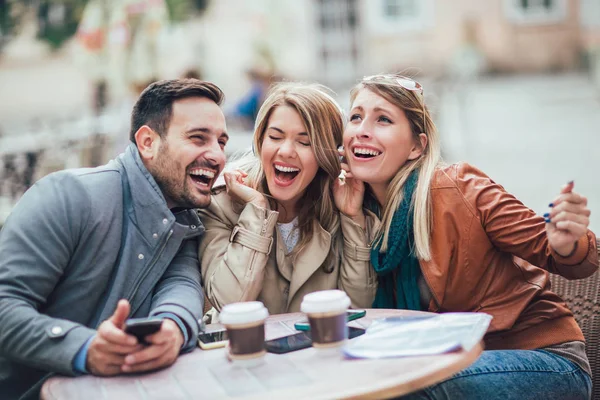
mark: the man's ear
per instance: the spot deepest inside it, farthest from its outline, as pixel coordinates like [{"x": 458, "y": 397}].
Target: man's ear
[
  {"x": 148, "y": 142},
  {"x": 419, "y": 147}
]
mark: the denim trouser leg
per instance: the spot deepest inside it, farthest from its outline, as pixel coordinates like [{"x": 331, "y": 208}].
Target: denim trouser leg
[{"x": 513, "y": 374}]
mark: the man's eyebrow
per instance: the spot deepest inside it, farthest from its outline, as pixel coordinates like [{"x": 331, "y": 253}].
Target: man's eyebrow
[
  {"x": 197, "y": 129},
  {"x": 205, "y": 130}
]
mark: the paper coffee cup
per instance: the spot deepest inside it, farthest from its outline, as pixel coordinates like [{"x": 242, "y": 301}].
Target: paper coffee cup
[
  {"x": 326, "y": 311},
  {"x": 245, "y": 324}
]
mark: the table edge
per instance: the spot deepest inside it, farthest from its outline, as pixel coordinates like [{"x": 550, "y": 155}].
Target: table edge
[{"x": 395, "y": 390}]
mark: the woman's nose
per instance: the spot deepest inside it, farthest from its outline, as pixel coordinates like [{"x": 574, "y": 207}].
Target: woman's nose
[
  {"x": 364, "y": 131},
  {"x": 287, "y": 148}
]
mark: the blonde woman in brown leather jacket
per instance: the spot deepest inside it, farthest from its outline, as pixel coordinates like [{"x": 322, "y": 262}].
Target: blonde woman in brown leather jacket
[
  {"x": 273, "y": 231},
  {"x": 451, "y": 239}
]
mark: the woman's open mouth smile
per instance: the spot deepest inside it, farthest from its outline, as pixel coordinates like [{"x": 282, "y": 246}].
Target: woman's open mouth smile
[
  {"x": 284, "y": 174},
  {"x": 365, "y": 153}
]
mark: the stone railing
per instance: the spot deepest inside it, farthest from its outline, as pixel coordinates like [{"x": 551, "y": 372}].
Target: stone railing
[
  {"x": 29, "y": 154},
  {"x": 26, "y": 155}
]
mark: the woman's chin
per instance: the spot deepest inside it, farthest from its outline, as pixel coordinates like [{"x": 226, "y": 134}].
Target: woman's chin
[
  {"x": 363, "y": 176},
  {"x": 282, "y": 195},
  {"x": 369, "y": 181}
]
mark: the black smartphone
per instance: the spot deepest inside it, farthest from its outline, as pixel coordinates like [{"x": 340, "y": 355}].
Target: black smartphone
[
  {"x": 300, "y": 341},
  {"x": 212, "y": 340},
  {"x": 350, "y": 314},
  {"x": 142, "y": 327}
]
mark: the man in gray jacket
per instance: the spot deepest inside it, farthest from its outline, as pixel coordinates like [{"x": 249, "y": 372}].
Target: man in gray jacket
[{"x": 85, "y": 249}]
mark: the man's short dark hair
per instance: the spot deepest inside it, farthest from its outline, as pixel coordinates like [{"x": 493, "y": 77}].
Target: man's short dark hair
[{"x": 155, "y": 105}]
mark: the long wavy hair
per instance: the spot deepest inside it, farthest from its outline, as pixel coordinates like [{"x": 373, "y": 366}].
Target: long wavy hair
[
  {"x": 324, "y": 122},
  {"x": 413, "y": 104}
]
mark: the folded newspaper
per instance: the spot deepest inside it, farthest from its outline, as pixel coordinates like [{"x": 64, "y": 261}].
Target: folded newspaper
[{"x": 418, "y": 335}]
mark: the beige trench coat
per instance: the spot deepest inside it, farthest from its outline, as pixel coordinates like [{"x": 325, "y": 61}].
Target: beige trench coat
[{"x": 242, "y": 258}]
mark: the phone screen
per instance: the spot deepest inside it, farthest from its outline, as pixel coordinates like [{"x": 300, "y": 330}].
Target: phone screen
[
  {"x": 142, "y": 327},
  {"x": 300, "y": 341},
  {"x": 213, "y": 337},
  {"x": 303, "y": 325}
]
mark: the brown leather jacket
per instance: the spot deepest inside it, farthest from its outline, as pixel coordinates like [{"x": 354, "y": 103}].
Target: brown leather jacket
[{"x": 490, "y": 254}]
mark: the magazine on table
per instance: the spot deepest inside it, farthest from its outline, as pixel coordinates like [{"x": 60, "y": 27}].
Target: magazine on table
[{"x": 417, "y": 335}]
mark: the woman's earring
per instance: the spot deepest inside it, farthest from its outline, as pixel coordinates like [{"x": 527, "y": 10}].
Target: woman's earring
[{"x": 341, "y": 150}]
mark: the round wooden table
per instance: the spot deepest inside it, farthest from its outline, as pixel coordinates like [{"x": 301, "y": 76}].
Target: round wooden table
[{"x": 206, "y": 374}]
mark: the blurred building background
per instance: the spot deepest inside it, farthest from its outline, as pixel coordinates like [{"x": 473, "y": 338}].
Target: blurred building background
[{"x": 514, "y": 84}]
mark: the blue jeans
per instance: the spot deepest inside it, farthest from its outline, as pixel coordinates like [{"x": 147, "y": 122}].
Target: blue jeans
[{"x": 513, "y": 374}]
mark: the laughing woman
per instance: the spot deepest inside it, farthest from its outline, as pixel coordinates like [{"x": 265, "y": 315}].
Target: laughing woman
[
  {"x": 451, "y": 239},
  {"x": 273, "y": 232}
]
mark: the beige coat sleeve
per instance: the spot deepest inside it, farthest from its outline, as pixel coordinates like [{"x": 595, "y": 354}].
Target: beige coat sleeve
[
  {"x": 234, "y": 250},
  {"x": 357, "y": 277}
]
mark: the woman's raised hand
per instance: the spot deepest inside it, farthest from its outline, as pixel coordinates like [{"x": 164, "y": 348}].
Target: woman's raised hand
[
  {"x": 240, "y": 192},
  {"x": 348, "y": 194},
  {"x": 567, "y": 221}
]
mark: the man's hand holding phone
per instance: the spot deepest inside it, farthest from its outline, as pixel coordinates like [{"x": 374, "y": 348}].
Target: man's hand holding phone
[
  {"x": 113, "y": 351},
  {"x": 107, "y": 351},
  {"x": 162, "y": 350}
]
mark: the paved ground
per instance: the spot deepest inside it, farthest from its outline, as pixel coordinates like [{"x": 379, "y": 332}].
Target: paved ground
[{"x": 530, "y": 133}]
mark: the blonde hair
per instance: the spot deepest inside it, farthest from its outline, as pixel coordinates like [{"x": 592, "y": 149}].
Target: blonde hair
[
  {"x": 324, "y": 122},
  {"x": 413, "y": 104}
]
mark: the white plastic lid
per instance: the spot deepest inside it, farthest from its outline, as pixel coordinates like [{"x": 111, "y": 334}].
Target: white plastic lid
[
  {"x": 325, "y": 301},
  {"x": 243, "y": 313}
]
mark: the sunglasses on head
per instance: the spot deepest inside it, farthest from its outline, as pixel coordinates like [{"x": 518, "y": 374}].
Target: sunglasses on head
[
  {"x": 406, "y": 83},
  {"x": 403, "y": 81}
]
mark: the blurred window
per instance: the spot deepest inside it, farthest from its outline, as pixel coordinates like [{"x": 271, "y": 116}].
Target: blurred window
[
  {"x": 400, "y": 9},
  {"x": 536, "y": 5},
  {"x": 534, "y": 12},
  {"x": 399, "y": 16},
  {"x": 338, "y": 53}
]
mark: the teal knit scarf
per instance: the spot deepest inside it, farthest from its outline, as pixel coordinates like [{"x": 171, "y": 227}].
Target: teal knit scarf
[{"x": 399, "y": 257}]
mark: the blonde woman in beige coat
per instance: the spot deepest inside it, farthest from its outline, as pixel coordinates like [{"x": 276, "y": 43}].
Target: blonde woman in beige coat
[{"x": 273, "y": 230}]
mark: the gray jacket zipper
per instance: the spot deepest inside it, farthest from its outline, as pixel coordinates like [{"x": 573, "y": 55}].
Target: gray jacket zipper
[{"x": 149, "y": 268}]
